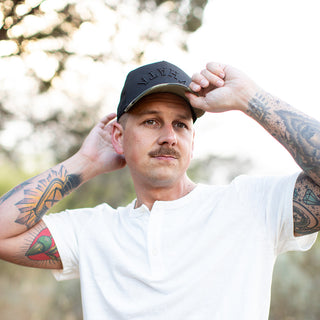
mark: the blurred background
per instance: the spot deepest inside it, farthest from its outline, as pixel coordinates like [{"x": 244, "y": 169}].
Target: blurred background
[{"x": 62, "y": 67}]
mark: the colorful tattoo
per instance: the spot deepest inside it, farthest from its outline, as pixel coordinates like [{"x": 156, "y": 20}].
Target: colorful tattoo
[
  {"x": 13, "y": 191},
  {"x": 48, "y": 192},
  {"x": 43, "y": 247}
]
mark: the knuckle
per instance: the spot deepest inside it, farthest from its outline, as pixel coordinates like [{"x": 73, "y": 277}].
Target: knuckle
[{"x": 210, "y": 64}]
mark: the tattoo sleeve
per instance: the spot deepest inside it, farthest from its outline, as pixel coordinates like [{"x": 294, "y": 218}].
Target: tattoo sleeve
[
  {"x": 297, "y": 132},
  {"x": 13, "y": 191},
  {"x": 300, "y": 135},
  {"x": 39, "y": 199},
  {"x": 306, "y": 206}
]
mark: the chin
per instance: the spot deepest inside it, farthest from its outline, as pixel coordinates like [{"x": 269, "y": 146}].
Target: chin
[{"x": 163, "y": 180}]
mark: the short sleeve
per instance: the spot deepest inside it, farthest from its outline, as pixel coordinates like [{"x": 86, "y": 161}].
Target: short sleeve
[
  {"x": 66, "y": 227},
  {"x": 270, "y": 199}
]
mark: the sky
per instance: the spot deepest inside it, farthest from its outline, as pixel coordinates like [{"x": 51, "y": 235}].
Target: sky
[{"x": 276, "y": 43}]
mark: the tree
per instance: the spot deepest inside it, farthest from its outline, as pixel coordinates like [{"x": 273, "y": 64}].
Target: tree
[
  {"x": 54, "y": 56},
  {"x": 53, "y": 59},
  {"x": 56, "y": 59}
]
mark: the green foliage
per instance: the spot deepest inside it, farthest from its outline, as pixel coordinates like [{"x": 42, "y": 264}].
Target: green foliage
[
  {"x": 34, "y": 294},
  {"x": 27, "y": 293},
  {"x": 57, "y": 24},
  {"x": 56, "y": 127},
  {"x": 74, "y": 40},
  {"x": 296, "y": 279},
  {"x": 189, "y": 16},
  {"x": 10, "y": 176},
  {"x": 217, "y": 169}
]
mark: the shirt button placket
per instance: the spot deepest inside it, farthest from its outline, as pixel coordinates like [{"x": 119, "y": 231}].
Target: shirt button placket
[{"x": 155, "y": 243}]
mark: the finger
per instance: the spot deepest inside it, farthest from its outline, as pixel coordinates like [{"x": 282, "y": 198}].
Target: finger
[
  {"x": 213, "y": 79},
  {"x": 194, "y": 87},
  {"x": 198, "y": 82},
  {"x": 216, "y": 68},
  {"x": 106, "y": 119}
]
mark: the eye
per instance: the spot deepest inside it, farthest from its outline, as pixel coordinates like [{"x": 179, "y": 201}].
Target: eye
[
  {"x": 150, "y": 122},
  {"x": 180, "y": 125}
]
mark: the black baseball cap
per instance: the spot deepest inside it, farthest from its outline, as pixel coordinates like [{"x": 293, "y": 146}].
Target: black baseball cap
[{"x": 154, "y": 78}]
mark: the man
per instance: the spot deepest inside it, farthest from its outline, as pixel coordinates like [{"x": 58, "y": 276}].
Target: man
[{"x": 180, "y": 250}]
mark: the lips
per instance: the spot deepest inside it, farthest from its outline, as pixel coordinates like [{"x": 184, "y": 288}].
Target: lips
[{"x": 164, "y": 152}]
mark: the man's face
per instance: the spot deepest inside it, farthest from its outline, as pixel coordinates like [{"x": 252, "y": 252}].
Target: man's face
[{"x": 158, "y": 140}]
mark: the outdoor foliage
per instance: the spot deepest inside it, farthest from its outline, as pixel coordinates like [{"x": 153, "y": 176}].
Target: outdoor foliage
[
  {"x": 34, "y": 294},
  {"x": 60, "y": 58},
  {"x": 295, "y": 294},
  {"x": 59, "y": 62}
]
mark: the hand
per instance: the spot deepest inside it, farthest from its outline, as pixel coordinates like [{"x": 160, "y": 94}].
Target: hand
[
  {"x": 221, "y": 88},
  {"x": 98, "y": 148}
]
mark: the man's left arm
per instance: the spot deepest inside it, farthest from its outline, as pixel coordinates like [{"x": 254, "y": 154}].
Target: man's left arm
[
  {"x": 300, "y": 135},
  {"x": 222, "y": 88}
]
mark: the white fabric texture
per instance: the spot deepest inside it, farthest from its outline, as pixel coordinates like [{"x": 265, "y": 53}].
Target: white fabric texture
[{"x": 208, "y": 255}]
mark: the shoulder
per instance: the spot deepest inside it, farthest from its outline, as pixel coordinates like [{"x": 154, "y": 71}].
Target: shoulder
[
  {"x": 81, "y": 217},
  {"x": 264, "y": 181}
]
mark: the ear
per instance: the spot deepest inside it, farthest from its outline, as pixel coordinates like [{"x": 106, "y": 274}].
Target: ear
[{"x": 117, "y": 137}]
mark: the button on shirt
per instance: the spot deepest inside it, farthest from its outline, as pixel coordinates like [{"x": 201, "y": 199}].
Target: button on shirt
[{"x": 208, "y": 255}]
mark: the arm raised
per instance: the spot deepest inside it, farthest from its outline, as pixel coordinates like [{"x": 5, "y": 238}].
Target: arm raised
[
  {"x": 21, "y": 209},
  {"x": 300, "y": 135},
  {"x": 222, "y": 88}
]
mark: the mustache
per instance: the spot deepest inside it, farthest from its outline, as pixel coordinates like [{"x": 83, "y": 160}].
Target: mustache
[{"x": 164, "y": 151}]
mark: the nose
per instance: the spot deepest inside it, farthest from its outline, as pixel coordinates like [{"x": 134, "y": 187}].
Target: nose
[{"x": 167, "y": 136}]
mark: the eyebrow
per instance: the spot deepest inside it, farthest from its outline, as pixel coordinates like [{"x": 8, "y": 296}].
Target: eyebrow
[
  {"x": 147, "y": 111},
  {"x": 155, "y": 112}
]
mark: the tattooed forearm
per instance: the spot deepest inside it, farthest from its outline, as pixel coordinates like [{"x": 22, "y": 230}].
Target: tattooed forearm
[
  {"x": 300, "y": 135},
  {"x": 43, "y": 247},
  {"x": 304, "y": 221},
  {"x": 40, "y": 199},
  {"x": 305, "y": 133},
  {"x": 297, "y": 132},
  {"x": 13, "y": 191},
  {"x": 306, "y": 206},
  {"x": 259, "y": 109}
]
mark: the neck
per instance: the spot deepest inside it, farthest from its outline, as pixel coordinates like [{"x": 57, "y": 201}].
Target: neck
[{"x": 147, "y": 195}]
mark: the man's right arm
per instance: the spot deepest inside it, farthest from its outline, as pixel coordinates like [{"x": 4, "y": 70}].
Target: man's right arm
[{"x": 24, "y": 237}]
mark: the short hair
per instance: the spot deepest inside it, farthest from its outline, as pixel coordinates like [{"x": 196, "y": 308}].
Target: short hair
[{"x": 123, "y": 119}]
